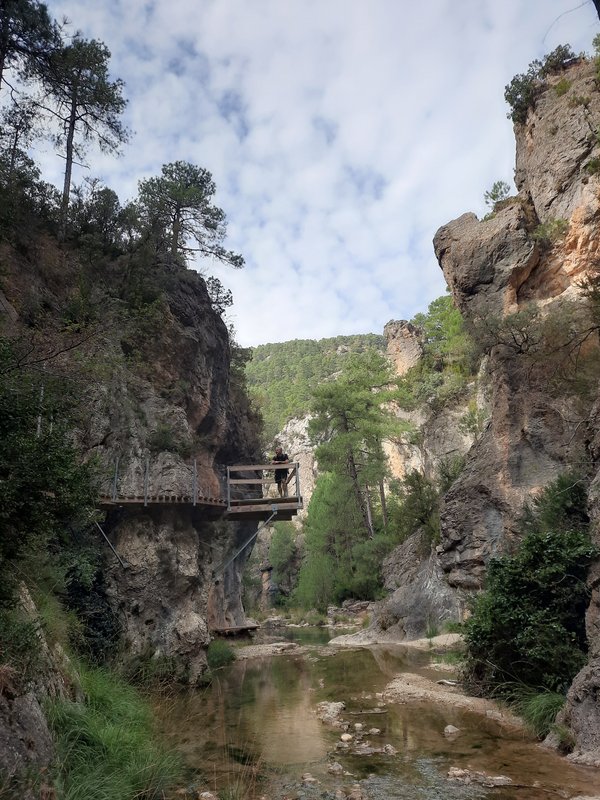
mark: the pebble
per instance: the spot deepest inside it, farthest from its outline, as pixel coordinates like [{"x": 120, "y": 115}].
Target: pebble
[
  {"x": 335, "y": 768},
  {"x": 346, "y": 737},
  {"x": 358, "y": 726},
  {"x": 374, "y": 731},
  {"x": 450, "y": 730}
]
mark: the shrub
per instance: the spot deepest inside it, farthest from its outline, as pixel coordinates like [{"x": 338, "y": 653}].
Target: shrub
[
  {"x": 521, "y": 92},
  {"x": 219, "y": 654},
  {"x": 548, "y": 233},
  {"x": 593, "y": 166},
  {"x": 499, "y": 192},
  {"x": 562, "y": 87},
  {"x": 529, "y": 624}
]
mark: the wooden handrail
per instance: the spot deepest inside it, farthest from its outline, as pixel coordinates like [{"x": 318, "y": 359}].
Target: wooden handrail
[{"x": 249, "y": 467}]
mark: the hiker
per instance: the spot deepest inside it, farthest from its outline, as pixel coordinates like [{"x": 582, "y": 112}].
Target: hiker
[{"x": 281, "y": 474}]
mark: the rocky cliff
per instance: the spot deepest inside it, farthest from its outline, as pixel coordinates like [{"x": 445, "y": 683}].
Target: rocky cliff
[
  {"x": 517, "y": 279},
  {"x": 159, "y": 400}
]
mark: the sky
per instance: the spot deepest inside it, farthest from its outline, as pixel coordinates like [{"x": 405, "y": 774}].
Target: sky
[{"x": 341, "y": 135}]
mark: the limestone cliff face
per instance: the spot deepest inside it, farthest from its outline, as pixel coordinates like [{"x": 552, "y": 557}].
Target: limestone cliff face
[
  {"x": 174, "y": 589},
  {"x": 159, "y": 395},
  {"x": 495, "y": 268},
  {"x": 538, "y": 427}
]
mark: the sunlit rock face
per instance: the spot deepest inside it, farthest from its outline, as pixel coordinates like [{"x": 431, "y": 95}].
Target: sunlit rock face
[
  {"x": 495, "y": 268},
  {"x": 403, "y": 345}
]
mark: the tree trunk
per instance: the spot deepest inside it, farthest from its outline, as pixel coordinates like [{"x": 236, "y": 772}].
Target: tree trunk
[
  {"x": 64, "y": 206},
  {"x": 382, "y": 497},
  {"x": 369, "y": 510},
  {"x": 176, "y": 233},
  {"x": 353, "y": 472}
]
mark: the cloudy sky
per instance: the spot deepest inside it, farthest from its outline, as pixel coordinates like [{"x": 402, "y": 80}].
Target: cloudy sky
[{"x": 341, "y": 134}]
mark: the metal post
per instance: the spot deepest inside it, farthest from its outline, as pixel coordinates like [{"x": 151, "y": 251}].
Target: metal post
[
  {"x": 146, "y": 470},
  {"x": 298, "y": 480},
  {"x": 115, "y": 479},
  {"x": 195, "y": 484},
  {"x": 228, "y": 490}
]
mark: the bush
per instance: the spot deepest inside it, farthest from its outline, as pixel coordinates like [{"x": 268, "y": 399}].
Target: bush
[
  {"x": 521, "y": 92},
  {"x": 219, "y": 654},
  {"x": 548, "y": 233},
  {"x": 562, "y": 87},
  {"x": 528, "y": 627}
]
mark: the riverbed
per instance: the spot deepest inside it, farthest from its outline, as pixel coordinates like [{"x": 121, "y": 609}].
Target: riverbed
[{"x": 254, "y": 733}]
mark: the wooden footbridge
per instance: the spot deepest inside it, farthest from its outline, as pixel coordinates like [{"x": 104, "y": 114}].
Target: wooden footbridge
[{"x": 247, "y": 493}]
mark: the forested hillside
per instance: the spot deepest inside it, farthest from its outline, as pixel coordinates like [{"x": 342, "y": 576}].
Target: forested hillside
[{"x": 282, "y": 376}]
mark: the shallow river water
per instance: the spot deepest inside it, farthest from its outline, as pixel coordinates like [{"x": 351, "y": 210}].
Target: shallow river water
[{"x": 255, "y": 729}]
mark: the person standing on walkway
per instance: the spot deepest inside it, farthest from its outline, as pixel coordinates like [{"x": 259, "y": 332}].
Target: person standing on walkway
[{"x": 281, "y": 474}]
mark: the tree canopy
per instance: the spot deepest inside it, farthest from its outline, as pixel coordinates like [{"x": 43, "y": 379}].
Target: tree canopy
[{"x": 177, "y": 206}]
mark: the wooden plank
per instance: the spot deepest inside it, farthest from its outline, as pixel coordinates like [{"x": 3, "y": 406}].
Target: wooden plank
[
  {"x": 263, "y": 501},
  {"x": 248, "y": 467},
  {"x": 251, "y": 480}
]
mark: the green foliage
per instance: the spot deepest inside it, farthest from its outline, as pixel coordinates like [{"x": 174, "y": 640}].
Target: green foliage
[
  {"x": 281, "y": 377},
  {"x": 499, "y": 192},
  {"x": 537, "y": 708},
  {"x": 282, "y": 555},
  {"x": 580, "y": 100},
  {"x": 44, "y": 490},
  {"x": 548, "y": 233},
  {"x": 19, "y": 648},
  {"x": 350, "y": 423},
  {"x": 106, "y": 746},
  {"x": 473, "y": 420},
  {"x": 219, "y": 654},
  {"x": 340, "y": 562},
  {"x": 562, "y": 87},
  {"x": 448, "y": 363},
  {"x": 177, "y": 207},
  {"x": 593, "y": 166},
  {"x": 87, "y": 104},
  {"x": 521, "y": 92},
  {"x": 529, "y": 625}
]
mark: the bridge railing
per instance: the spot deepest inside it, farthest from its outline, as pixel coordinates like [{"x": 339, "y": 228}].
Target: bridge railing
[
  {"x": 258, "y": 479},
  {"x": 177, "y": 482}
]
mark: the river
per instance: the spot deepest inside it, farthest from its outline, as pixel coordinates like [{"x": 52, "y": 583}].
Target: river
[{"x": 254, "y": 733}]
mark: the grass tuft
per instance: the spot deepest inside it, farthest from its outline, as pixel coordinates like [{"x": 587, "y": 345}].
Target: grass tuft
[
  {"x": 537, "y": 707},
  {"x": 106, "y": 745},
  {"x": 219, "y": 654}
]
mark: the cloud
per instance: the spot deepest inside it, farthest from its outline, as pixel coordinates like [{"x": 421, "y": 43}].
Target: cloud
[{"x": 341, "y": 134}]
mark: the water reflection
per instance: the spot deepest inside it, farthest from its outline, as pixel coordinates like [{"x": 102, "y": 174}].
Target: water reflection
[{"x": 258, "y": 718}]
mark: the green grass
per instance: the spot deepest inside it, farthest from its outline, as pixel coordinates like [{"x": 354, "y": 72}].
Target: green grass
[
  {"x": 452, "y": 657},
  {"x": 538, "y": 707},
  {"x": 106, "y": 746}
]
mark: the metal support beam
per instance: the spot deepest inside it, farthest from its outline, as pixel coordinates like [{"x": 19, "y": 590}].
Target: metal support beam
[
  {"x": 224, "y": 566},
  {"x": 121, "y": 562}
]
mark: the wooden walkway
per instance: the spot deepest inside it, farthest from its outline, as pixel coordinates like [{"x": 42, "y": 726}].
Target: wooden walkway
[{"x": 230, "y": 508}]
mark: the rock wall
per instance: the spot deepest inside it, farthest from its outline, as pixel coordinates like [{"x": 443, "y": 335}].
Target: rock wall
[
  {"x": 497, "y": 267},
  {"x": 157, "y": 395}
]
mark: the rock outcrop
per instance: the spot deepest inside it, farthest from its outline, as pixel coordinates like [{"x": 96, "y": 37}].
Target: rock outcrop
[
  {"x": 495, "y": 268},
  {"x": 163, "y": 415},
  {"x": 526, "y": 263}
]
